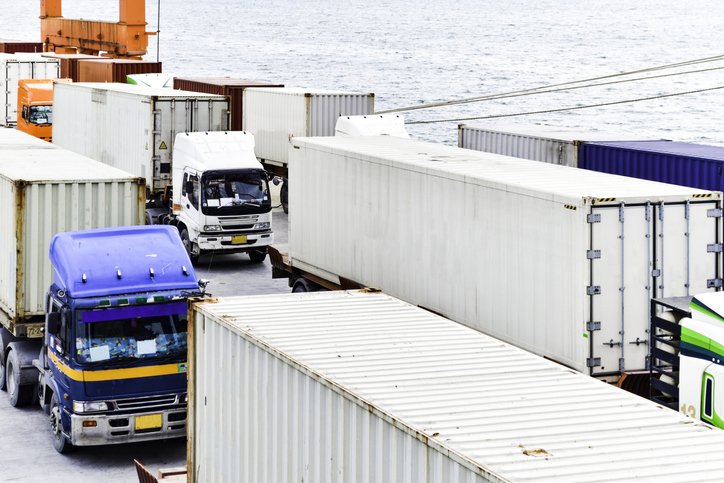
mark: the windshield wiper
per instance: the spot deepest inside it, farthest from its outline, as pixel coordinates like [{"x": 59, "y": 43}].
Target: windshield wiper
[
  {"x": 157, "y": 359},
  {"x": 240, "y": 202}
]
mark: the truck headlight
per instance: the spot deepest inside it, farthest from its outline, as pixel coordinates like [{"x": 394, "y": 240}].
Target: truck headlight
[
  {"x": 89, "y": 407},
  {"x": 212, "y": 228},
  {"x": 262, "y": 226}
]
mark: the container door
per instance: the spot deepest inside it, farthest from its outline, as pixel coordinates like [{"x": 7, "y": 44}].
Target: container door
[
  {"x": 687, "y": 249},
  {"x": 620, "y": 288}
]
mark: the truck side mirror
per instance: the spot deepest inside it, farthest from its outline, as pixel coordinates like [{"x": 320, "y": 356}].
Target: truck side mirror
[
  {"x": 275, "y": 180},
  {"x": 52, "y": 322},
  {"x": 189, "y": 187}
]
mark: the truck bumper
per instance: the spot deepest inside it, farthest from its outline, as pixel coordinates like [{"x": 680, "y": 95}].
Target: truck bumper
[
  {"x": 123, "y": 428},
  {"x": 226, "y": 243}
]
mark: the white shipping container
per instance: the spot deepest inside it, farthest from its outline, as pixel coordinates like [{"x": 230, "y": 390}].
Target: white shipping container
[
  {"x": 14, "y": 67},
  {"x": 275, "y": 115},
  {"x": 361, "y": 387},
  {"x": 558, "y": 261},
  {"x": 46, "y": 190},
  {"x": 548, "y": 144},
  {"x": 131, "y": 127}
]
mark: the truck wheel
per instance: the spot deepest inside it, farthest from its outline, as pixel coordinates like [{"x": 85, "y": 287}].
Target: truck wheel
[
  {"x": 60, "y": 442},
  {"x": 257, "y": 256},
  {"x": 189, "y": 246},
  {"x": 300, "y": 287},
  {"x": 3, "y": 385},
  {"x": 284, "y": 196},
  {"x": 19, "y": 395}
]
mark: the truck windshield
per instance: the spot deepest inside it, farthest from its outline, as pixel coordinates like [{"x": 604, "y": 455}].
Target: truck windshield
[
  {"x": 227, "y": 192},
  {"x": 41, "y": 115},
  {"x": 133, "y": 332}
]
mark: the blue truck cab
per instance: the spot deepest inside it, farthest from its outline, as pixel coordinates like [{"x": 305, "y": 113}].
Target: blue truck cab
[{"x": 112, "y": 368}]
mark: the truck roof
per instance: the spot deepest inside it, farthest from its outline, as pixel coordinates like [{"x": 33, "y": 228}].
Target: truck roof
[
  {"x": 217, "y": 150},
  {"x": 120, "y": 260}
]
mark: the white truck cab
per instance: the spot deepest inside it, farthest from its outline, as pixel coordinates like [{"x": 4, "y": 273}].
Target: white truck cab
[{"x": 221, "y": 201}]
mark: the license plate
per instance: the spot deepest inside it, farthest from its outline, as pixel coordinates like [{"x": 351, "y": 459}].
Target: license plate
[
  {"x": 238, "y": 240},
  {"x": 149, "y": 421},
  {"x": 34, "y": 332}
]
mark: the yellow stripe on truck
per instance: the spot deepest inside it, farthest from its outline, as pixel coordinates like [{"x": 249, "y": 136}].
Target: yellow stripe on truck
[{"x": 115, "y": 374}]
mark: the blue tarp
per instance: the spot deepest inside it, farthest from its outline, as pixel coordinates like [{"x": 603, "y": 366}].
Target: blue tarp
[{"x": 133, "y": 251}]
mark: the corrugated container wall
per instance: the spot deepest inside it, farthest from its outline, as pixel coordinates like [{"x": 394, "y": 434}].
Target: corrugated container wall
[
  {"x": 532, "y": 253},
  {"x": 114, "y": 70},
  {"x": 686, "y": 164},
  {"x": 46, "y": 190},
  {"x": 548, "y": 144},
  {"x": 224, "y": 86},
  {"x": 69, "y": 63},
  {"x": 130, "y": 127},
  {"x": 13, "y": 47},
  {"x": 14, "y": 67},
  {"x": 360, "y": 387},
  {"x": 274, "y": 116}
]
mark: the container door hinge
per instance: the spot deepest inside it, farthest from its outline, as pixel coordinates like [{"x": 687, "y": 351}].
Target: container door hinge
[
  {"x": 591, "y": 254},
  {"x": 593, "y": 290},
  {"x": 656, "y": 272},
  {"x": 593, "y": 362},
  {"x": 714, "y": 213},
  {"x": 594, "y": 218},
  {"x": 714, "y": 283},
  {"x": 591, "y": 326},
  {"x": 714, "y": 248}
]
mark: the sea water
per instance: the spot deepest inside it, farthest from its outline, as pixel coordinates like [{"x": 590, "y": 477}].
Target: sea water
[{"x": 415, "y": 52}]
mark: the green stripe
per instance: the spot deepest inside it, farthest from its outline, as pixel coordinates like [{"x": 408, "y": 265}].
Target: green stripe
[{"x": 699, "y": 307}]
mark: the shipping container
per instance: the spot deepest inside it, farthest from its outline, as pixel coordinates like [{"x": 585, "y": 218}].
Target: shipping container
[
  {"x": 46, "y": 190},
  {"x": 274, "y": 116},
  {"x": 536, "y": 142},
  {"x": 18, "y": 46},
  {"x": 223, "y": 86},
  {"x": 362, "y": 387},
  {"x": 559, "y": 261},
  {"x": 687, "y": 164},
  {"x": 114, "y": 70},
  {"x": 14, "y": 67},
  {"x": 69, "y": 63},
  {"x": 131, "y": 127}
]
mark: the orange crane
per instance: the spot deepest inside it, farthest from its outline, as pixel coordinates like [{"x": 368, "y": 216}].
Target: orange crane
[{"x": 126, "y": 39}]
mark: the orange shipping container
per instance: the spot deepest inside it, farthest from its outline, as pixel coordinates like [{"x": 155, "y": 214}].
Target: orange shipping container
[
  {"x": 69, "y": 63},
  {"x": 114, "y": 70}
]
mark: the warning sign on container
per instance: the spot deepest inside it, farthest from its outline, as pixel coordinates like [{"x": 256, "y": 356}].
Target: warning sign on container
[{"x": 163, "y": 145}]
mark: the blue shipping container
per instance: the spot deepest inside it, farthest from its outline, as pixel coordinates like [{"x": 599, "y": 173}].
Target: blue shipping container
[{"x": 685, "y": 164}]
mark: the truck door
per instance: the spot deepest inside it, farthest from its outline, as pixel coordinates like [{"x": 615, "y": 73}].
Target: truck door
[
  {"x": 190, "y": 199},
  {"x": 639, "y": 252}
]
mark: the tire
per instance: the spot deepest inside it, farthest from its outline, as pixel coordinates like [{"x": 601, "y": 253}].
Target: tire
[
  {"x": 3, "y": 379},
  {"x": 188, "y": 245},
  {"x": 300, "y": 287},
  {"x": 19, "y": 395},
  {"x": 284, "y": 196},
  {"x": 60, "y": 442},
  {"x": 257, "y": 256}
]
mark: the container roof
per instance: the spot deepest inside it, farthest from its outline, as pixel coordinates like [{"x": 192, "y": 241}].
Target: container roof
[
  {"x": 25, "y": 157},
  {"x": 227, "y": 81},
  {"x": 134, "y": 251},
  {"x": 488, "y": 404},
  {"x": 534, "y": 178},
  {"x": 304, "y": 90},
  {"x": 139, "y": 90},
  {"x": 557, "y": 133},
  {"x": 688, "y": 150}
]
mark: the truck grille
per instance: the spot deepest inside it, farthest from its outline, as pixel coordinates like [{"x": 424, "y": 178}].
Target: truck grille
[
  {"x": 151, "y": 402},
  {"x": 226, "y": 221}
]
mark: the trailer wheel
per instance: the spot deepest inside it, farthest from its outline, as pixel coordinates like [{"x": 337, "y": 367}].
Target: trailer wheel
[
  {"x": 3, "y": 379},
  {"x": 189, "y": 246},
  {"x": 60, "y": 442},
  {"x": 284, "y": 196},
  {"x": 19, "y": 395}
]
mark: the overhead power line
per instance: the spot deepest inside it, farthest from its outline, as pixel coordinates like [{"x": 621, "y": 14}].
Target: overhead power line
[
  {"x": 566, "y": 108},
  {"x": 561, "y": 86}
]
